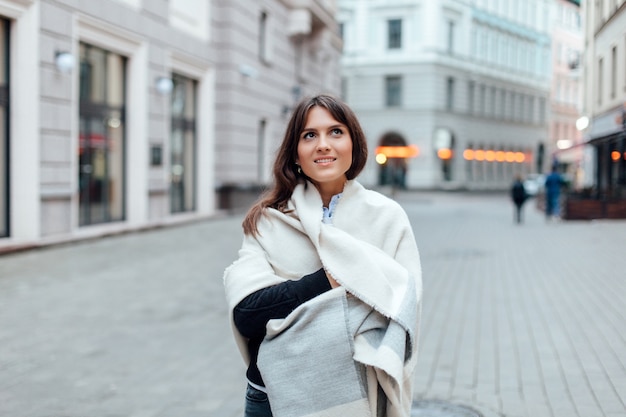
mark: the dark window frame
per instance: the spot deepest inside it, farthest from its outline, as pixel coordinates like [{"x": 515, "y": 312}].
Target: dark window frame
[
  {"x": 187, "y": 124},
  {"x": 449, "y": 94},
  {"x": 394, "y": 34},
  {"x": 393, "y": 91},
  {"x": 5, "y": 140}
]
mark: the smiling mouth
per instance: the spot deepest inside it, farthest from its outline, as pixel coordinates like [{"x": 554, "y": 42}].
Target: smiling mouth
[{"x": 324, "y": 160}]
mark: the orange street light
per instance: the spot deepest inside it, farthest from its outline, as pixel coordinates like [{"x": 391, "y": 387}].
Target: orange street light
[
  {"x": 410, "y": 151},
  {"x": 444, "y": 153},
  {"x": 468, "y": 154}
]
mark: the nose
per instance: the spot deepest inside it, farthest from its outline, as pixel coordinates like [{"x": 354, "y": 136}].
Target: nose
[{"x": 322, "y": 144}]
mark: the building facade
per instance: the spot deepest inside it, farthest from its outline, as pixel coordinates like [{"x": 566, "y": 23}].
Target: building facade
[
  {"x": 127, "y": 114},
  {"x": 605, "y": 96},
  {"x": 565, "y": 144},
  {"x": 271, "y": 54},
  {"x": 465, "y": 82}
]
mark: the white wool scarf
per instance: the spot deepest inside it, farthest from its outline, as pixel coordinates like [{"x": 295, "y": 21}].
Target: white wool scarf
[{"x": 336, "y": 353}]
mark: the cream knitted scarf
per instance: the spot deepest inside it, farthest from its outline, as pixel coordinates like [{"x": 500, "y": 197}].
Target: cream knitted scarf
[{"x": 332, "y": 355}]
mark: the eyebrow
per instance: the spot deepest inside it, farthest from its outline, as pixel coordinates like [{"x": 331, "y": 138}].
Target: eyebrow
[{"x": 312, "y": 129}]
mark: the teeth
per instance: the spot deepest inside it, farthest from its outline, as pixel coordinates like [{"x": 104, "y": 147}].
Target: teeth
[{"x": 325, "y": 160}]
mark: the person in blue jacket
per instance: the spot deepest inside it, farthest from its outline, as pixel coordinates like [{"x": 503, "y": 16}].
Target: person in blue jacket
[{"x": 553, "y": 185}]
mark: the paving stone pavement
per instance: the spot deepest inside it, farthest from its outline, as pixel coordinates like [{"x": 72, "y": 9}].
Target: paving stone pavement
[{"x": 518, "y": 320}]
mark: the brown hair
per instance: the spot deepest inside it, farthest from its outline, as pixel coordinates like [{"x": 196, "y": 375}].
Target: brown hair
[{"x": 285, "y": 171}]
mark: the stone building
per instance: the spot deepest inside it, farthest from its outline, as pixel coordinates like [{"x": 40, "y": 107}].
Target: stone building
[
  {"x": 118, "y": 115},
  {"x": 605, "y": 94},
  {"x": 466, "y": 82},
  {"x": 262, "y": 73},
  {"x": 604, "y": 113},
  {"x": 565, "y": 145}
]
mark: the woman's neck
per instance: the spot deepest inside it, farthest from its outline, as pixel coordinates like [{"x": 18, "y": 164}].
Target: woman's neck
[{"x": 327, "y": 193}]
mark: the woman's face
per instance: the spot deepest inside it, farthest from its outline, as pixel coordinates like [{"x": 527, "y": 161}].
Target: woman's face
[{"x": 325, "y": 151}]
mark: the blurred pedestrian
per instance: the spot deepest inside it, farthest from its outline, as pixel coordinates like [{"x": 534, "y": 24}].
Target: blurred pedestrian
[
  {"x": 519, "y": 197},
  {"x": 553, "y": 185},
  {"x": 325, "y": 295}
]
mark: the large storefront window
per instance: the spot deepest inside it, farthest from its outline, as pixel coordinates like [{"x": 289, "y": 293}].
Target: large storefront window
[
  {"x": 183, "y": 145},
  {"x": 101, "y": 142},
  {"x": 4, "y": 128}
]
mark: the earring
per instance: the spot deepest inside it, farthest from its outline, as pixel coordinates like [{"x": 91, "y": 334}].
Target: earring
[{"x": 299, "y": 169}]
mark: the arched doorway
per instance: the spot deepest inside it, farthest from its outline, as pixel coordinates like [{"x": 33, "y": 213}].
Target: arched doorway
[{"x": 393, "y": 170}]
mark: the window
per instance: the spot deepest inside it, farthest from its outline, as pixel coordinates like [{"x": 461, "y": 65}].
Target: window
[
  {"x": 482, "y": 100},
  {"x": 4, "y": 128},
  {"x": 474, "y": 42},
  {"x": 513, "y": 107},
  {"x": 469, "y": 161},
  {"x": 393, "y": 88},
  {"x": 450, "y": 94},
  {"x": 450, "y": 37},
  {"x": 102, "y": 116},
  {"x": 263, "y": 37},
  {"x": 394, "y": 33},
  {"x": 600, "y": 77},
  {"x": 183, "y": 145},
  {"x": 542, "y": 110},
  {"x": 471, "y": 88},
  {"x": 613, "y": 71},
  {"x": 526, "y": 105}
]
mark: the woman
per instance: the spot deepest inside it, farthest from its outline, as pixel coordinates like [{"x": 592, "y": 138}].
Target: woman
[{"x": 325, "y": 295}]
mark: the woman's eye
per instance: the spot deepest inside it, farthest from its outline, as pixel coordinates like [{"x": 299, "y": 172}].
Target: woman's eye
[
  {"x": 308, "y": 135},
  {"x": 337, "y": 132}
]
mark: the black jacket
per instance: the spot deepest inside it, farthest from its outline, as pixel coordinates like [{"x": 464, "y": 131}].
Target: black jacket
[
  {"x": 518, "y": 193},
  {"x": 275, "y": 302}
]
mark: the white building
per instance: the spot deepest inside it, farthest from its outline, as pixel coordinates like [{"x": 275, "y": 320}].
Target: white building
[
  {"x": 467, "y": 82},
  {"x": 565, "y": 143},
  {"x": 605, "y": 96},
  {"x": 117, "y": 115}
]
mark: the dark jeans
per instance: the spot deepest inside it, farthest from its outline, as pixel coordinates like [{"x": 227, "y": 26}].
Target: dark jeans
[{"x": 257, "y": 404}]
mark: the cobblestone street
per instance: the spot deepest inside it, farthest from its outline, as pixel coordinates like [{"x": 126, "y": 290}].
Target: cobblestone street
[{"x": 518, "y": 320}]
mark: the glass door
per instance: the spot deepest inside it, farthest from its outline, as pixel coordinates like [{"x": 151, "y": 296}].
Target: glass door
[
  {"x": 183, "y": 145},
  {"x": 101, "y": 141}
]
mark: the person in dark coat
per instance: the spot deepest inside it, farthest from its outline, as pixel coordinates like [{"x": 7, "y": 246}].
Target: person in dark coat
[
  {"x": 553, "y": 185},
  {"x": 519, "y": 196}
]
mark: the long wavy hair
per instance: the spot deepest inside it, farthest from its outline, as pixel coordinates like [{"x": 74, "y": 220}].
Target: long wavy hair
[{"x": 285, "y": 171}]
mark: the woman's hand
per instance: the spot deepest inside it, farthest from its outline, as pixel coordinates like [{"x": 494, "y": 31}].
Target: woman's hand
[{"x": 333, "y": 283}]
